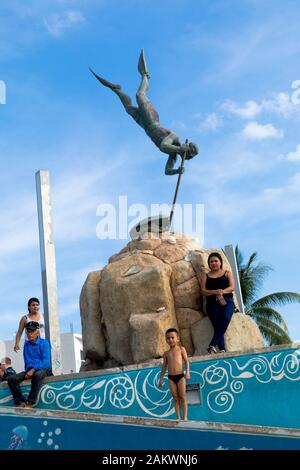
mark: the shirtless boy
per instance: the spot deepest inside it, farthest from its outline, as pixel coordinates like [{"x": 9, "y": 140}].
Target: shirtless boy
[{"x": 173, "y": 361}]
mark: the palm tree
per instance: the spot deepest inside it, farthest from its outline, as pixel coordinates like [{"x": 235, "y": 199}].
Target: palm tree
[{"x": 269, "y": 321}]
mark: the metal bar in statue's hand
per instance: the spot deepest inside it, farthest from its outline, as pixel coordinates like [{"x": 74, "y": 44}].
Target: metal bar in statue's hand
[{"x": 178, "y": 181}]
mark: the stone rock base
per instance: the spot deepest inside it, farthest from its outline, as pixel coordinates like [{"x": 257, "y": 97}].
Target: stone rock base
[{"x": 242, "y": 334}]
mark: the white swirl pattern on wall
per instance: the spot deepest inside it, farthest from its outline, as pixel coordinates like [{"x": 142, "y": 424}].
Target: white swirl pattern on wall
[
  {"x": 220, "y": 382},
  {"x": 280, "y": 366}
]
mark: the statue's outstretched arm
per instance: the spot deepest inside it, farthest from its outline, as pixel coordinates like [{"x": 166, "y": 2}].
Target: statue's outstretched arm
[
  {"x": 169, "y": 168},
  {"x": 170, "y": 144}
]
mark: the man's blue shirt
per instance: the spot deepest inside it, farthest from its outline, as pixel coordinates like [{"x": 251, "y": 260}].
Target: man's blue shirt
[{"x": 37, "y": 354}]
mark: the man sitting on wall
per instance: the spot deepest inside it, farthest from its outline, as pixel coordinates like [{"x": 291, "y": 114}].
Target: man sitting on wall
[{"x": 37, "y": 366}]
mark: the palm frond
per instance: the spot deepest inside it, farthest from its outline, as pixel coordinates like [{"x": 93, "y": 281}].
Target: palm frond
[
  {"x": 275, "y": 327},
  {"x": 271, "y": 323},
  {"x": 273, "y": 334},
  {"x": 251, "y": 260},
  {"x": 251, "y": 278},
  {"x": 260, "y": 271},
  {"x": 239, "y": 257},
  {"x": 277, "y": 298},
  {"x": 268, "y": 313}
]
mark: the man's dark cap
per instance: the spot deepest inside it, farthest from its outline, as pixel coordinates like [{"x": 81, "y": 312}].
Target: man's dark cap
[{"x": 32, "y": 325}]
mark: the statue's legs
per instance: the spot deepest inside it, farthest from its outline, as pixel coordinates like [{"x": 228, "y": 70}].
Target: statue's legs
[
  {"x": 127, "y": 103},
  {"x": 148, "y": 114},
  {"x": 125, "y": 99},
  {"x": 141, "y": 97}
]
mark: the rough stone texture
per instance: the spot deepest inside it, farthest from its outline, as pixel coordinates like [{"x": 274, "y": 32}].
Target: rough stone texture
[
  {"x": 92, "y": 334},
  {"x": 189, "y": 243},
  {"x": 182, "y": 271},
  {"x": 141, "y": 293},
  {"x": 151, "y": 285},
  {"x": 242, "y": 334},
  {"x": 119, "y": 256},
  {"x": 169, "y": 252},
  {"x": 186, "y": 317},
  {"x": 141, "y": 245},
  {"x": 150, "y": 236},
  {"x": 188, "y": 294},
  {"x": 202, "y": 332},
  {"x": 156, "y": 324},
  {"x": 186, "y": 340}
]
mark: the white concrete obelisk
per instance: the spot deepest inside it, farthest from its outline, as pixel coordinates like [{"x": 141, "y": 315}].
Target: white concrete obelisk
[
  {"x": 48, "y": 268},
  {"x": 230, "y": 254}
]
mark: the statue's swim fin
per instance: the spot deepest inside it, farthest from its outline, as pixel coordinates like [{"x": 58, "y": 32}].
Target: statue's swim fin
[
  {"x": 104, "y": 82},
  {"x": 142, "y": 66}
]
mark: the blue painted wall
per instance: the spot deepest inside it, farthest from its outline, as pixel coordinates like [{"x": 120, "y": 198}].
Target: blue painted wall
[
  {"x": 20, "y": 433},
  {"x": 260, "y": 389}
]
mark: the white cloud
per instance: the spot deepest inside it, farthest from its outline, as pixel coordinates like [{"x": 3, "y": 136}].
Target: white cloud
[
  {"x": 19, "y": 226},
  {"x": 57, "y": 24},
  {"x": 210, "y": 123},
  {"x": 255, "y": 131},
  {"x": 294, "y": 185},
  {"x": 281, "y": 104},
  {"x": 272, "y": 202},
  {"x": 178, "y": 125},
  {"x": 294, "y": 156},
  {"x": 227, "y": 161},
  {"x": 73, "y": 209},
  {"x": 248, "y": 111},
  {"x": 23, "y": 24},
  {"x": 231, "y": 209},
  {"x": 276, "y": 197},
  {"x": 71, "y": 282},
  {"x": 75, "y": 198}
]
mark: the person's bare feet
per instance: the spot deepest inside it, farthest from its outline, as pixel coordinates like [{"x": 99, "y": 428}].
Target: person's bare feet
[
  {"x": 29, "y": 405},
  {"x": 22, "y": 404}
]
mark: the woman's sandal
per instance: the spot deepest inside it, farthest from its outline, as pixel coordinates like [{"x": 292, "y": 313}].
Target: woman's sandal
[{"x": 212, "y": 350}]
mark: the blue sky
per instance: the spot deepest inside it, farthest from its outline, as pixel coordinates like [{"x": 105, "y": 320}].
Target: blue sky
[{"x": 221, "y": 76}]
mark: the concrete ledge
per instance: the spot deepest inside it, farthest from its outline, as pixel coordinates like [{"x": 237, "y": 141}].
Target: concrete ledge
[
  {"x": 152, "y": 422},
  {"x": 158, "y": 362}
]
